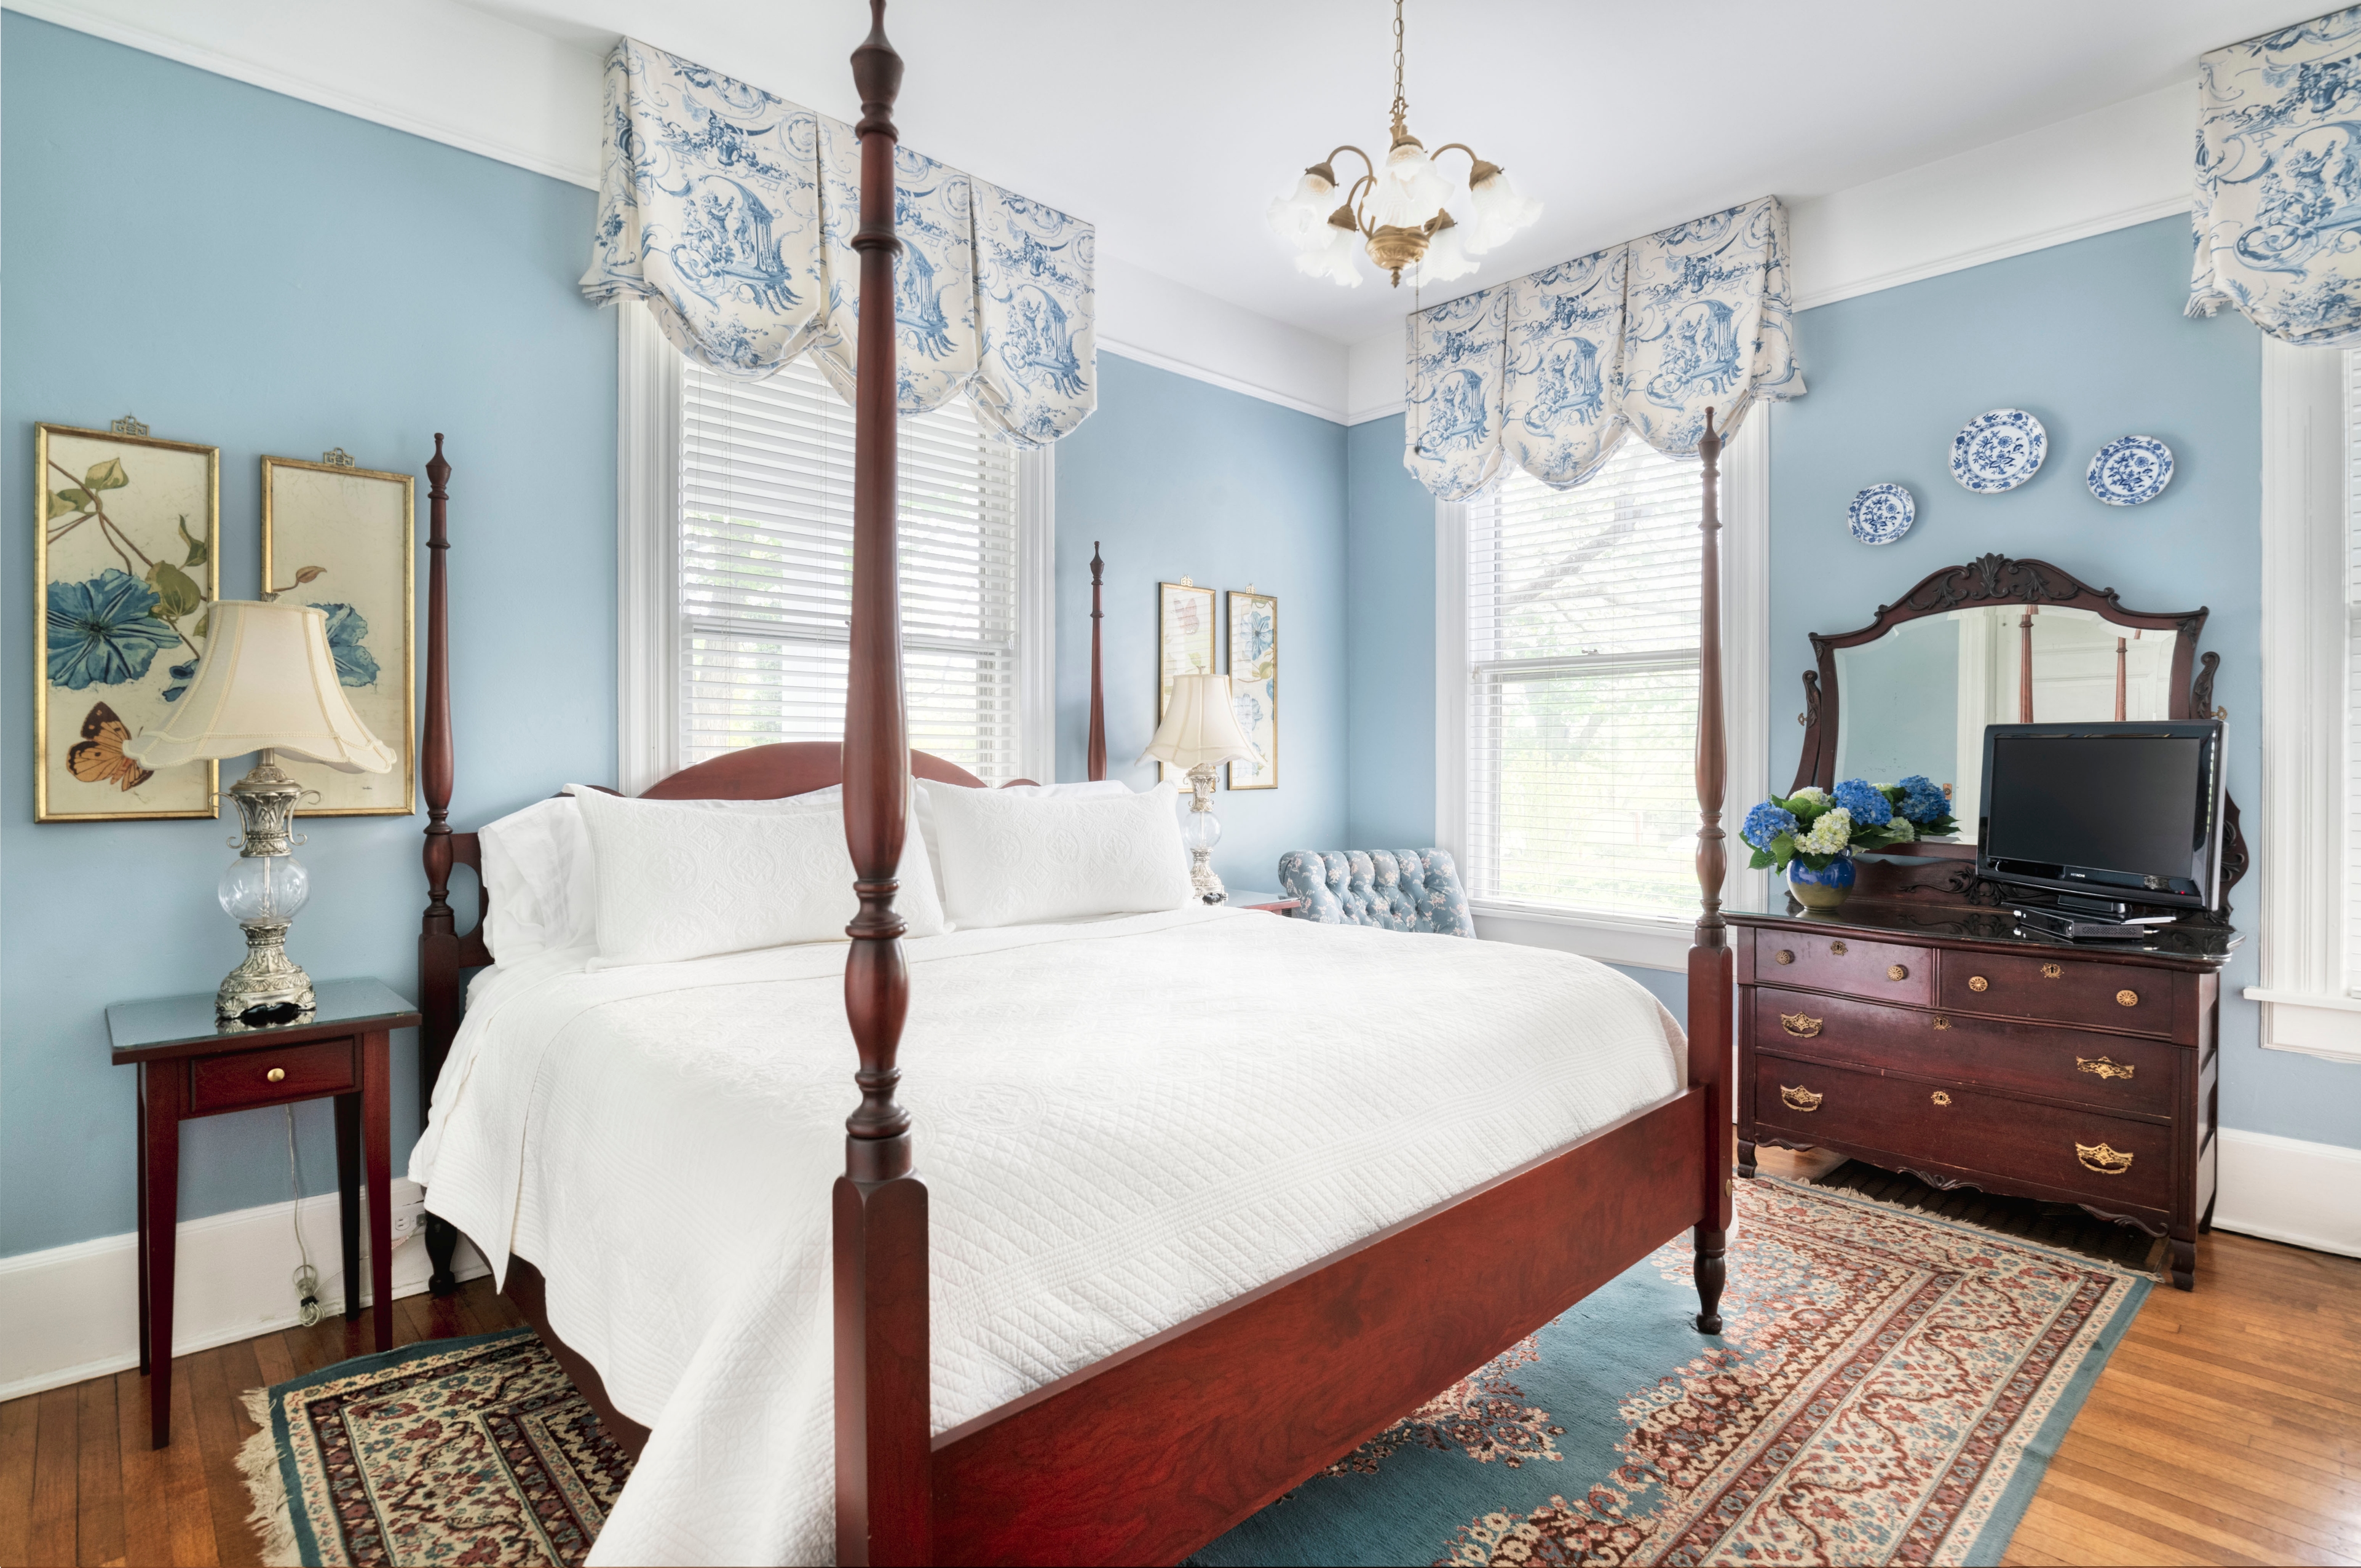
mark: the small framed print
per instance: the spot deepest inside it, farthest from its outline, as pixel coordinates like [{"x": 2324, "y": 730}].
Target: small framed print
[
  {"x": 340, "y": 539},
  {"x": 1185, "y": 622},
  {"x": 125, "y": 563},
  {"x": 1254, "y": 685}
]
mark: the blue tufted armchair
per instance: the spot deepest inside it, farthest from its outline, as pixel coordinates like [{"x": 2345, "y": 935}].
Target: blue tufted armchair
[{"x": 1400, "y": 890}]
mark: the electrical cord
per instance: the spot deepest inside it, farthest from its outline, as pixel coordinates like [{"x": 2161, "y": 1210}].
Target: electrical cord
[{"x": 307, "y": 1278}]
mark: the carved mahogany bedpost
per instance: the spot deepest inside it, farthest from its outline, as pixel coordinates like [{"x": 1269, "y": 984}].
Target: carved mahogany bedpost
[
  {"x": 883, "y": 1404},
  {"x": 1711, "y": 972},
  {"x": 1098, "y": 691},
  {"x": 438, "y": 942}
]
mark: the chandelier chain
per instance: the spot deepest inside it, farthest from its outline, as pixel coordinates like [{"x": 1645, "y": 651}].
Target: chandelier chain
[{"x": 1402, "y": 105}]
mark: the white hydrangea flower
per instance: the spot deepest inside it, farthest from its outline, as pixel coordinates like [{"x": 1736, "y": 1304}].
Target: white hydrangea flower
[
  {"x": 1902, "y": 829},
  {"x": 1813, "y": 795},
  {"x": 1832, "y": 831}
]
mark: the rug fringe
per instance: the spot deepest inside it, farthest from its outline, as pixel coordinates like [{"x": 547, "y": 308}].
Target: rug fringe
[
  {"x": 258, "y": 1461},
  {"x": 1848, "y": 1195}
]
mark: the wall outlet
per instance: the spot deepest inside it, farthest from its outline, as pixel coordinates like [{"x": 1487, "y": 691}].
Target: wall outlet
[{"x": 408, "y": 1209}]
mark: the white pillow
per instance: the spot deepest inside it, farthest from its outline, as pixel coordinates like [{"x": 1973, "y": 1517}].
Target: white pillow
[
  {"x": 676, "y": 882},
  {"x": 1010, "y": 859},
  {"x": 1056, "y": 791},
  {"x": 537, "y": 870}
]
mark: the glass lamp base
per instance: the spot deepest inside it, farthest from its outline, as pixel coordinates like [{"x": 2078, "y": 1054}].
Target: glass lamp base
[
  {"x": 268, "y": 978},
  {"x": 1200, "y": 831}
]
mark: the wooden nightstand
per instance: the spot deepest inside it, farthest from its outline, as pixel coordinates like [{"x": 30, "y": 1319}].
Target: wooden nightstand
[
  {"x": 190, "y": 1066},
  {"x": 1276, "y": 903}
]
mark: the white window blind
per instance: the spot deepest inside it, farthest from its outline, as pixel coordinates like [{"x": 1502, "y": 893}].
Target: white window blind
[
  {"x": 766, "y": 571},
  {"x": 1582, "y": 670}
]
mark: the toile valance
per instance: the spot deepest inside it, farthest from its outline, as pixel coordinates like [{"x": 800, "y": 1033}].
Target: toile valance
[
  {"x": 731, "y": 213},
  {"x": 1547, "y": 371},
  {"x": 2278, "y": 182}
]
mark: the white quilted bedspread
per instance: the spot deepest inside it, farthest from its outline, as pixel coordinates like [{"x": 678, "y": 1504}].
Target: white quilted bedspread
[{"x": 1120, "y": 1124}]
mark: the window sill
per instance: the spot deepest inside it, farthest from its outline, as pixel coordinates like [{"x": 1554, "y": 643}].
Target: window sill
[
  {"x": 2327, "y": 1026},
  {"x": 1640, "y": 941}
]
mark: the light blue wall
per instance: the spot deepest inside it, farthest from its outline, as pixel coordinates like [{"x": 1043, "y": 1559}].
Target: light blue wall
[
  {"x": 2088, "y": 336},
  {"x": 1177, "y": 478},
  {"x": 256, "y": 273},
  {"x": 1391, "y": 642}
]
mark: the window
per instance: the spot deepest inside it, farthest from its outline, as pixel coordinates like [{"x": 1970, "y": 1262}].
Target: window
[{"x": 1581, "y": 687}]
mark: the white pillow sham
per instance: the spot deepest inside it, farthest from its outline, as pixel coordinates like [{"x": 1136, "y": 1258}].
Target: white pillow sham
[
  {"x": 677, "y": 883},
  {"x": 1010, "y": 859},
  {"x": 1056, "y": 791},
  {"x": 537, "y": 870}
]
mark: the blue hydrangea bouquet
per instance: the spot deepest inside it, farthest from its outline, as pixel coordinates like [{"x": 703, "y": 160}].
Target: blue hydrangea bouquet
[{"x": 1812, "y": 834}]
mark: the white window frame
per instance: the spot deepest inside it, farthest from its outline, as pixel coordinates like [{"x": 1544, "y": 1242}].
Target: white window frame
[
  {"x": 2299, "y": 835},
  {"x": 1638, "y": 940},
  {"x": 647, "y": 584}
]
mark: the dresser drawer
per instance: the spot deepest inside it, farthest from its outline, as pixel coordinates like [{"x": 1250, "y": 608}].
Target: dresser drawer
[
  {"x": 2102, "y": 1071},
  {"x": 230, "y": 1083},
  {"x": 2101, "y": 1159},
  {"x": 1882, "y": 971},
  {"x": 2057, "y": 990}
]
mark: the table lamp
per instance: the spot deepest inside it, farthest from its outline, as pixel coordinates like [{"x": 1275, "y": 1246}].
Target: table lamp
[
  {"x": 1201, "y": 732},
  {"x": 267, "y": 683}
]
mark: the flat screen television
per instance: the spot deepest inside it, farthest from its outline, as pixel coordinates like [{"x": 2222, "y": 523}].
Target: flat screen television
[{"x": 2122, "y": 811}]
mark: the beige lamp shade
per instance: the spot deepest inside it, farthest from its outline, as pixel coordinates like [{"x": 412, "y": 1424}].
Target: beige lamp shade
[
  {"x": 1200, "y": 726},
  {"x": 267, "y": 680}
]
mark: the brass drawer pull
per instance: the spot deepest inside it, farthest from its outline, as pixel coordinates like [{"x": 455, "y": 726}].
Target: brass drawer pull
[
  {"x": 1836, "y": 948},
  {"x": 1978, "y": 982},
  {"x": 2103, "y": 1159},
  {"x": 1798, "y": 1024},
  {"x": 1895, "y": 972},
  {"x": 1804, "y": 1100},
  {"x": 1783, "y": 956},
  {"x": 1940, "y": 1098},
  {"x": 2050, "y": 972},
  {"x": 276, "y": 1075},
  {"x": 2104, "y": 1066},
  {"x": 1942, "y": 1023},
  {"x": 2127, "y": 998}
]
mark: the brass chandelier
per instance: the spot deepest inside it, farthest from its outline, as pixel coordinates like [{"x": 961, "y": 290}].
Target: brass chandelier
[{"x": 1398, "y": 214}]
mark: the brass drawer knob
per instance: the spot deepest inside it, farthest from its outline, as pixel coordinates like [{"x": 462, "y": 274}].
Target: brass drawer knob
[
  {"x": 2103, "y": 1159},
  {"x": 1942, "y": 1023},
  {"x": 2051, "y": 971},
  {"x": 1803, "y": 1099},
  {"x": 2127, "y": 998},
  {"x": 276, "y": 1075},
  {"x": 1784, "y": 956},
  {"x": 1895, "y": 972},
  {"x": 1798, "y": 1024},
  {"x": 1978, "y": 982},
  {"x": 1837, "y": 949},
  {"x": 2104, "y": 1067},
  {"x": 1940, "y": 1098}
]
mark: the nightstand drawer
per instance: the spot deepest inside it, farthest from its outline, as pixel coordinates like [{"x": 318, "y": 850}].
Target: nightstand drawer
[
  {"x": 2101, "y": 1159},
  {"x": 2105, "y": 1070},
  {"x": 1880, "y": 972},
  {"x": 233, "y": 1082},
  {"x": 2057, "y": 990}
]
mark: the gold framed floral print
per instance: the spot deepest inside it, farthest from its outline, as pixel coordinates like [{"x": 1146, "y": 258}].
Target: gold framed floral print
[
  {"x": 1254, "y": 685},
  {"x": 125, "y": 560},
  {"x": 1184, "y": 632},
  {"x": 341, "y": 539}
]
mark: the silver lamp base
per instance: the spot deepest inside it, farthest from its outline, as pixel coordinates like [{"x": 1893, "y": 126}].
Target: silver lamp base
[
  {"x": 268, "y": 978},
  {"x": 1200, "y": 858}
]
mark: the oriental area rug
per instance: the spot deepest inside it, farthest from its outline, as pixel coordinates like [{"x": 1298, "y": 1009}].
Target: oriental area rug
[{"x": 1888, "y": 1389}]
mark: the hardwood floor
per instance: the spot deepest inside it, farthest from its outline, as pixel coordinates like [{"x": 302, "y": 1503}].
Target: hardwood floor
[
  {"x": 80, "y": 1485},
  {"x": 2226, "y": 1428}
]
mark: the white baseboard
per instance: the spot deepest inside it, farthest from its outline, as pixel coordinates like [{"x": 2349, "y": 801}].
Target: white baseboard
[
  {"x": 72, "y": 1312},
  {"x": 2285, "y": 1189}
]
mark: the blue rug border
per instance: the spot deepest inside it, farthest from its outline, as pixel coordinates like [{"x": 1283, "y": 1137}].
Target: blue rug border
[
  {"x": 307, "y": 1545},
  {"x": 1992, "y": 1543}
]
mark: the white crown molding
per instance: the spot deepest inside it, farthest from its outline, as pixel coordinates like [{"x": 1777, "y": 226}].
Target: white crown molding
[
  {"x": 433, "y": 67},
  {"x": 1330, "y": 411},
  {"x": 72, "y": 1311}
]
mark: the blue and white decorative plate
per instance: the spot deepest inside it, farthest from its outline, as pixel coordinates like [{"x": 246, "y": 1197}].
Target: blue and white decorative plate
[
  {"x": 1998, "y": 451},
  {"x": 1880, "y": 514},
  {"x": 2131, "y": 470}
]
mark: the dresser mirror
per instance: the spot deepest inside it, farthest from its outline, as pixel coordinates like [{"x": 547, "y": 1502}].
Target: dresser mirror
[{"x": 1993, "y": 640}]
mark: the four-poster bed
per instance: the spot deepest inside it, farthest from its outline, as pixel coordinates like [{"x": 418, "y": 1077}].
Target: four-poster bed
[{"x": 1145, "y": 1453}]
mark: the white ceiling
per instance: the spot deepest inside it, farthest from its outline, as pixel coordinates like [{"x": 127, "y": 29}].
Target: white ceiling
[{"x": 1171, "y": 125}]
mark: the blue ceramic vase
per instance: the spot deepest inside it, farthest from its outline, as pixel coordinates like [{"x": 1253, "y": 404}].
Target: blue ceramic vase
[{"x": 1822, "y": 889}]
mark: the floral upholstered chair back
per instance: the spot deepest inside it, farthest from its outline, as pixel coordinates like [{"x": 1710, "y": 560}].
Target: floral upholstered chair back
[{"x": 1400, "y": 890}]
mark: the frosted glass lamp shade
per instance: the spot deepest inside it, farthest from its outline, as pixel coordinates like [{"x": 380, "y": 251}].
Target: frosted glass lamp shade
[
  {"x": 1299, "y": 217},
  {"x": 267, "y": 681},
  {"x": 1201, "y": 726}
]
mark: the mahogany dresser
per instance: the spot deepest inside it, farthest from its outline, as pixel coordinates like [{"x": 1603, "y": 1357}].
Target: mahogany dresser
[{"x": 1936, "y": 1039}]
